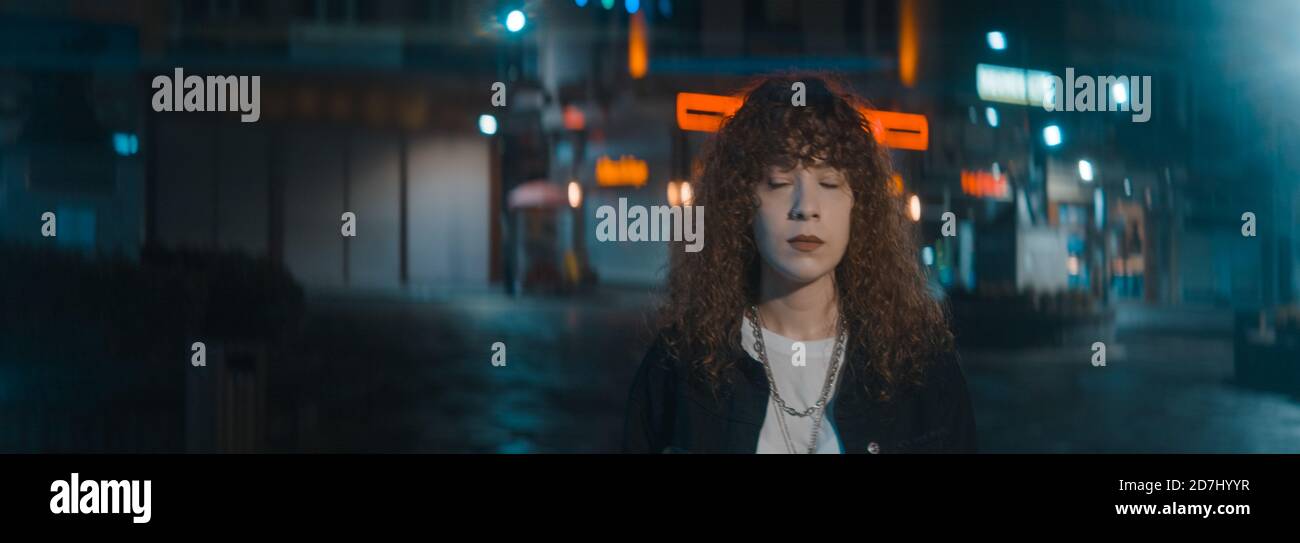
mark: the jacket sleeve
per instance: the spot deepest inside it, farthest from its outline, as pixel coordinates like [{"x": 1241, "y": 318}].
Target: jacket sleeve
[
  {"x": 965, "y": 437},
  {"x": 649, "y": 414},
  {"x": 952, "y": 396}
]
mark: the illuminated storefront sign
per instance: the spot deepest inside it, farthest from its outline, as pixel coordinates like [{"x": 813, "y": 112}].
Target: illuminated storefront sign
[
  {"x": 982, "y": 184},
  {"x": 899, "y": 130},
  {"x": 627, "y": 171},
  {"x": 1012, "y": 85},
  {"x": 705, "y": 112},
  {"x": 638, "y": 60}
]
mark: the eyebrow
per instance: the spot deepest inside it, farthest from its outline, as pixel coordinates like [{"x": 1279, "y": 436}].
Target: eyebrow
[{"x": 819, "y": 172}]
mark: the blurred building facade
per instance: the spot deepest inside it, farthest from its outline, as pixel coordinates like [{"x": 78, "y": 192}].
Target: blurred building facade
[
  {"x": 362, "y": 110},
  {"x": 373, "y": 107}
]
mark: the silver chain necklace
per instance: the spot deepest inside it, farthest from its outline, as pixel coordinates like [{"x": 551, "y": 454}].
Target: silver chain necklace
[{"x": 841, "y": 332}]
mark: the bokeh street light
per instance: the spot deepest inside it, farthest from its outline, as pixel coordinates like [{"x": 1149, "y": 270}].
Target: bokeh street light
[
  {"x": 487, "y": 124},
  {"x": 1052, "y": 135},
  {"x": 1085, "y": 171},
  {"x": 997, "y": 40},
  {"x": 515, "y": 21}
]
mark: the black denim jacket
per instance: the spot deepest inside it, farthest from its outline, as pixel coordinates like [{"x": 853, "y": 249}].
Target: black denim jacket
[{"x": 670, "y": 409}]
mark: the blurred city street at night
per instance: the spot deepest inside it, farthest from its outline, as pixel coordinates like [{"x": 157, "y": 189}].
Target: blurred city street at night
[{"x": 326, "y": 264}]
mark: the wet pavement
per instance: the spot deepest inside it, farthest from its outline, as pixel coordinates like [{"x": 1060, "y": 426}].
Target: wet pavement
[
  {"x": 414, "y": 373},
  {"x": 1160, "y": 391}
]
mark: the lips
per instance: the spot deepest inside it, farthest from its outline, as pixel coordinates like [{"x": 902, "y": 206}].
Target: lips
[{"x": 805, "y": 243}]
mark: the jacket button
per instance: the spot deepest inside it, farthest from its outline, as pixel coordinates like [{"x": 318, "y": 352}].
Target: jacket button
[{"x": 873, "y": 448}]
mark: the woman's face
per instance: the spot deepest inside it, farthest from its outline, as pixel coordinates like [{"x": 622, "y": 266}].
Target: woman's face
[{"x": 802, "y": 225}]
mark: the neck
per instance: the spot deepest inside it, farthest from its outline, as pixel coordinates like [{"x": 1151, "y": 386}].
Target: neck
[{"x": 799, "y": 311}]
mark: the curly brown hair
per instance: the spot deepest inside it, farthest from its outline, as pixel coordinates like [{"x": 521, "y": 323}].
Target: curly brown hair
[{"x": 891, "y": 316}]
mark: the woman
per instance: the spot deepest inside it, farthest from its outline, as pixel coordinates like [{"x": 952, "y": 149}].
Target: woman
[{"x": 808, "y": 244}]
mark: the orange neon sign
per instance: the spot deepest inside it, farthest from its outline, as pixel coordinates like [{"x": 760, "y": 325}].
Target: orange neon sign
[
  {"x": 982, "y": 184},
  {"x": 908, "y": 43},
  {"x": 626, "y": 171},
  {"x": 705, "y": 113},
  {"x": 638, "y": 61},
  {"x": 899, "y": 130}
]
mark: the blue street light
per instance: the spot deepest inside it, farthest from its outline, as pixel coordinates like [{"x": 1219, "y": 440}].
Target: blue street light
[
  {"x": 125, "y": 144},
  {"x": 991, "y": 115},
  {"x": 1052, "y": 135},
  {"x": 487, "y": 124},
  {"x": 1085, "y": 171},
  {"x": 997, "y": 40},
  {"x": 632, "y": 5},
  {"x": 1099, "y": 208},
  {"x": 515, "y": 21},
  {"x": 1119, "y": 93}
]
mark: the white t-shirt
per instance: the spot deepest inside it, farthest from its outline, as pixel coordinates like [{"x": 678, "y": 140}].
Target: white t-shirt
[{"x": 799, "y": 386}]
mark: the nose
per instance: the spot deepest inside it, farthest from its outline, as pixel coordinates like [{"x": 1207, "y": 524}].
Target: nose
[{"x": 805, "y": 205}]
